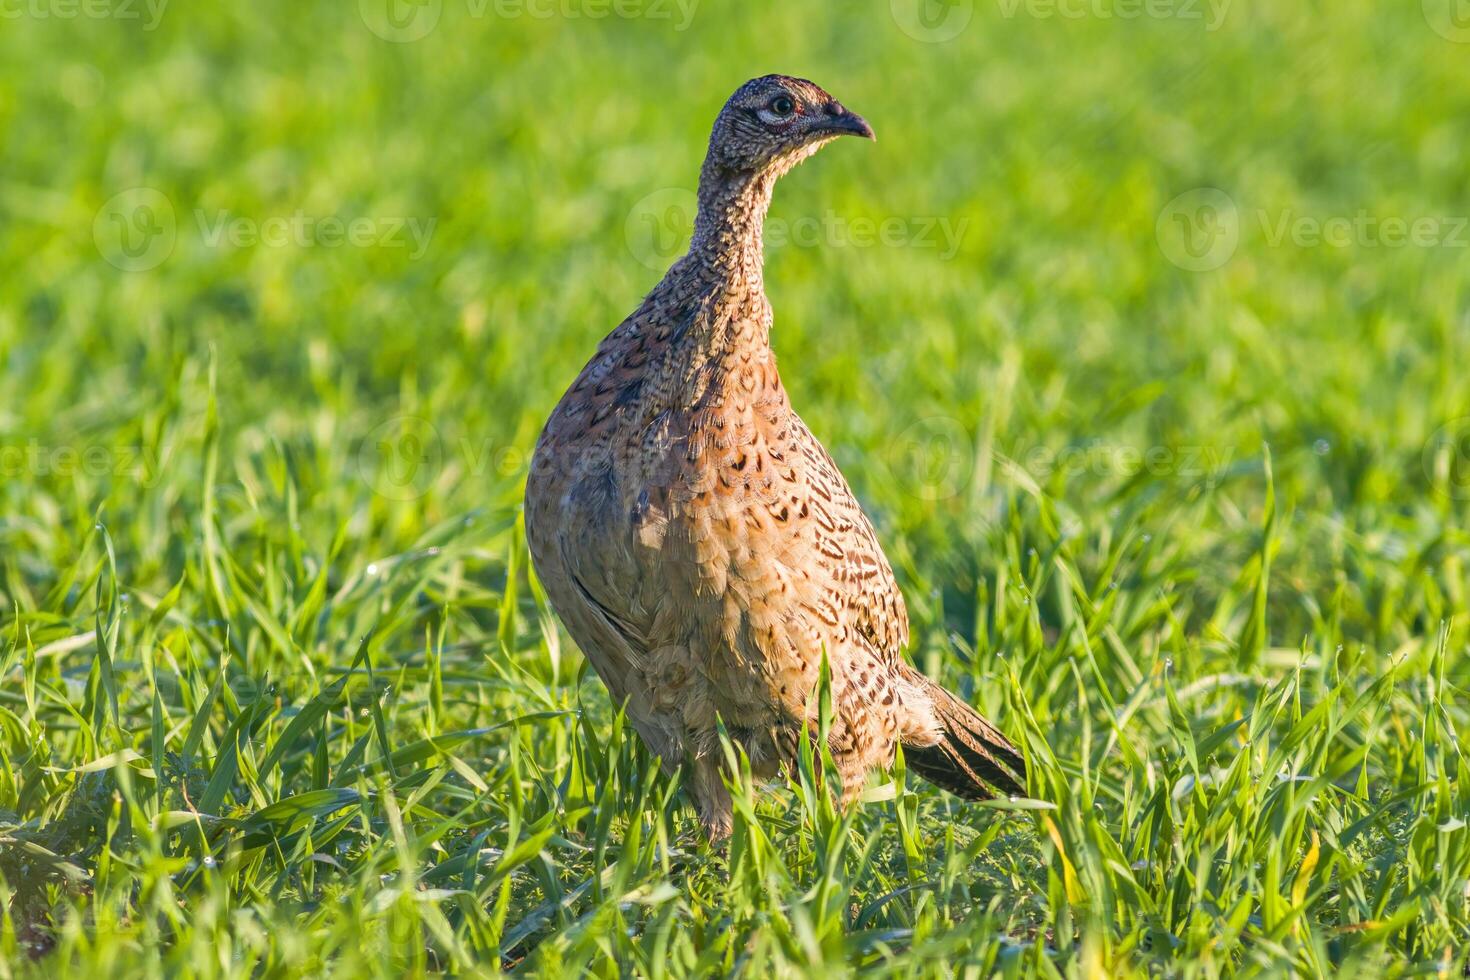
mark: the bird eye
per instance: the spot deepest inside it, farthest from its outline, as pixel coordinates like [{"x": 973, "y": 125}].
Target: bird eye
[{"x": 782, "y": 105}]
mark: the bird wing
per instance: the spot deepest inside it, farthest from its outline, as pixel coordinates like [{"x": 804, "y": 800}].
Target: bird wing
[{"x": 581, "y": 561}]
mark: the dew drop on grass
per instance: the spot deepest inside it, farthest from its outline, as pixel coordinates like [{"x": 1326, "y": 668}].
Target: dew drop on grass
[
  {"x": 209, "y": 861},
  {"x": 372, "y": 569},
  {"x": 1321, "y": 447}
]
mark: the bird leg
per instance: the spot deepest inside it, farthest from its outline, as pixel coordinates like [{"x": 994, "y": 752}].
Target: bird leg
[{"x": 711, "y": 799}]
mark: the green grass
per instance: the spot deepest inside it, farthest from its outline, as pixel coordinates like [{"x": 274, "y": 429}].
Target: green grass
[{"x": 278, "y": 694}]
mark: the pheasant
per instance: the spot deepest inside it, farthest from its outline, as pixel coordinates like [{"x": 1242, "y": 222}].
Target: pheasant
[{"x": 701, "y": 546}]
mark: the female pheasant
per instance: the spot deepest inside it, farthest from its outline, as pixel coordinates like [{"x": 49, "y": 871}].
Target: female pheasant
[{"x": 699, "y": 543}]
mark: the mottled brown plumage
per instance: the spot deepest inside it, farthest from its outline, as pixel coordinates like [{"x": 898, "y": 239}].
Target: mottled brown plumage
[{"x": 699, "y": 543}]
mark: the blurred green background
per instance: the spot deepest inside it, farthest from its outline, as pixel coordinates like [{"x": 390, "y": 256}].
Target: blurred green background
[{"x": 1140, "y": 333}]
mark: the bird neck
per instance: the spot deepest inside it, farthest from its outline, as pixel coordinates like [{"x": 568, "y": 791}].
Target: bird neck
[{"x": 728, "y": 228}]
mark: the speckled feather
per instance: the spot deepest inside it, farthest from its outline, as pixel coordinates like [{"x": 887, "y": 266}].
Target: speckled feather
[{"x": 700, "y": 544}]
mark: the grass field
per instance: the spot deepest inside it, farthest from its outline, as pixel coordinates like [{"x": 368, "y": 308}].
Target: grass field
[{"x": 1142, "y": 334}]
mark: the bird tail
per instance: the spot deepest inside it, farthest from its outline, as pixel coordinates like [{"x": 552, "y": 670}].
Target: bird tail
[{"x": 970, "y": 758}]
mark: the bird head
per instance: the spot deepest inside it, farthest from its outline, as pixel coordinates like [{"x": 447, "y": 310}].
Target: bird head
[{"x": 773, "y": 123}]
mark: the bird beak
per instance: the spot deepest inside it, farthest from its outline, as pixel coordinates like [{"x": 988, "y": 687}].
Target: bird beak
[{"x": 848, "y": 123}]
